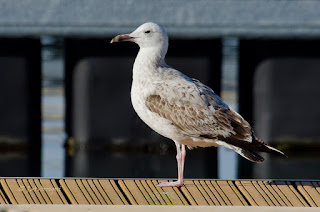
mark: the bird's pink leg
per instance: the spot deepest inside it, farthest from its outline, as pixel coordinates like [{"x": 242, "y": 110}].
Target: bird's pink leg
[{"x": 181, "y": 155}]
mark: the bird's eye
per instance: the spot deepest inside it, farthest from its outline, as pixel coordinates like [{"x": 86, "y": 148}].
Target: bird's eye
[{"x": 147, "y": 32}]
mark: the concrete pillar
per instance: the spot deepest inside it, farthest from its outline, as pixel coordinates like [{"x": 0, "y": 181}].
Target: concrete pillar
[
  {"x": 279, "y": 90},
  {"x": 20, "y": 107}
]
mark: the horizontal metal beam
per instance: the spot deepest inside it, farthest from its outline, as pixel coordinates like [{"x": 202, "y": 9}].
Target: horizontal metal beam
[{"x": 182, "y": 18}]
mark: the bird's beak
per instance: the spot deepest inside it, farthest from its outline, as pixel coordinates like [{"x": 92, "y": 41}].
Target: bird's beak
[{"x": 122, "y": 38}]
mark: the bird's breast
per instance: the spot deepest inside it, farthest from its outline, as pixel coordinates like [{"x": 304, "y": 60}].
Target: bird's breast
[{"x": 139, "y": 93}]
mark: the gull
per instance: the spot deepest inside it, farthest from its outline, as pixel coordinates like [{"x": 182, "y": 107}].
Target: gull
[{"x": 182, "y": 108}]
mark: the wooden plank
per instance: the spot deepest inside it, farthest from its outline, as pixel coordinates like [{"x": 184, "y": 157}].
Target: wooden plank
[
  {"x": 314, "y": 192},
  {"x": 48, "y": 188},
  {"x": 152, "y": 193},
  {"x": 193, "y": 194},
  {"x": 213, "y": 194},
  {"x": 161, "y": 192},
  {"x": 234, "y": 198},
  {"x": 262, "y": 192},
  {"x": 298, "y": 195},
  {"x": 188, "y": 195},
  {"x": 116, "y": 188},
  {"x": 53, "y": 191},
  {"x": 11, "y": 198},
  {"x": 140, "y": 195},
  {"x": 105, "y": 197},
  {"x": 90, "y": 192},
  {"x": 280, "y": 194},
  {"x": 306, "y": 195},
  {"x": 166, "y": 195},
  {"x": 59, "y": 192},
  {"x": 286, "y": 188},
  {"x": 67, "y": 191},
  {"x": 225, "y": 200},
  {"x": 132, "y": 192},
  {"x": 276, "y": 193},
  {"x": 270, "y": 192},
  {"x": 113, "y": 192},
  {"x": 245, "y": 193},
  {"x": 3, "y": 199},
  {"x": 250, "y": 193},
  {"x": 76, "y": 191},
  {"x": 317, "y": 186},
  {"x": 41, "y": 190},
  {"x": 25, "y": 190},
  {"x": 176, "y": 197},
  {"x": 157, "y": 193},
  {"x": 8, "y": 191},
  {"x": 310, "y": 188},
  {"x": 18, "y": 188},
  {"x": 36, "y": 190},
  {"x": 18, "y": 196},
  {"x": 84, "y": 191},
  {"x": 96, "y": 191},
  {"x": 173, "y": 194},
  {"x": 237, "y": 193},
  {"x": 127, "y": 192},
  {"x": 146, "y": 194},
  {"x": 257, "y": 193},
  {"x": 203, "y": 192},
  {"x": 31, "y": 191},
  {"x": 107, "y": 191}
]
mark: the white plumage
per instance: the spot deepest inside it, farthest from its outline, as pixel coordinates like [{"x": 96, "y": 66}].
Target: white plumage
[{"x": 181, "y": 108}]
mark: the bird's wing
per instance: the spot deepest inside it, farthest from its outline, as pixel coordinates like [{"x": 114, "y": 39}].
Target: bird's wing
[
  {"x": 242, "y": 138},
  {"x": 200, "y": 113},
  {"x": 241, "y": 129},
  {"x": 195, "y": 109}
]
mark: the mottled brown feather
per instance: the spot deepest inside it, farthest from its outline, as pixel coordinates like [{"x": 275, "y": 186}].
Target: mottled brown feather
[
  {"x": 191, "y": 119},
  {"x": 195, "y": 122}
]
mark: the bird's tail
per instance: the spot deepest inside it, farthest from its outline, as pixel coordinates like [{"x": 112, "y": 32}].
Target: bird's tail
[
  {"x": 247, "y": 154},
  {"x": 250, "y": 151},
  {"x": 263, "y": 147},
  {"x": 250, "y": 155}
]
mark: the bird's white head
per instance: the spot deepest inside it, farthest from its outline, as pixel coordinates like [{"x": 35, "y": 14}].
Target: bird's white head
[{"x": 148, "y": 35}]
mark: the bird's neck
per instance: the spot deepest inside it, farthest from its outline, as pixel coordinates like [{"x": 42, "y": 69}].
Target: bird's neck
[
  {"x": 154, "y": 56},
  {"x": 148, "y": 61}
]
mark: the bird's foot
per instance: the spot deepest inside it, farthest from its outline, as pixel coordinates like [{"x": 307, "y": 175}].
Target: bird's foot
[{"x": 171, "y": 184}]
